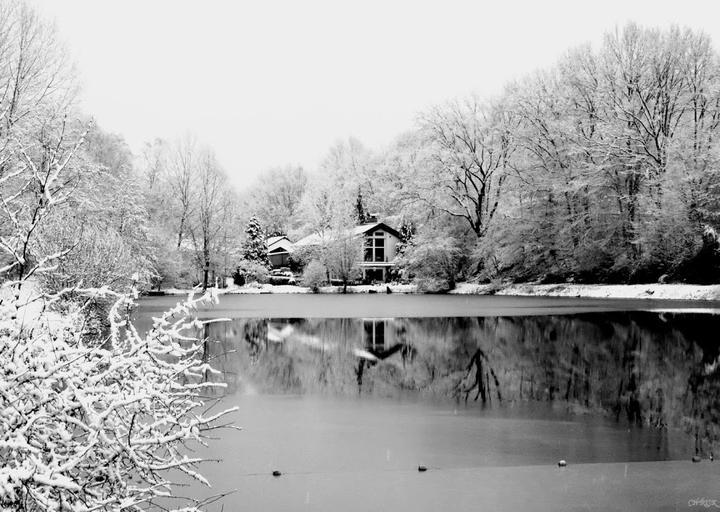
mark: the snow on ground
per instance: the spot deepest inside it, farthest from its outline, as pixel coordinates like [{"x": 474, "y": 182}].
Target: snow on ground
[
  {"x": 28, "y": 309},
  {"x": 598, "y": 291},
  {"x": 382, "y": 288},
  {"x": 255, "y": 288},
  {"x": 30, "y": 306}
]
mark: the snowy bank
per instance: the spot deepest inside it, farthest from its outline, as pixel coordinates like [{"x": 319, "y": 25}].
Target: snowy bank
[
  {"x": 597, "y": 291},
  {"x": 255, "y": 288}
]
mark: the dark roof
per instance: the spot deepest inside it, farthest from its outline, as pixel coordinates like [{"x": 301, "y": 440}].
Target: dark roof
[{"x": 374, "y": 226}]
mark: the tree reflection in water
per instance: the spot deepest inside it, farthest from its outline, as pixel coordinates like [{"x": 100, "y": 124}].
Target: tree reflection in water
[{"x": 646, "y": 369}]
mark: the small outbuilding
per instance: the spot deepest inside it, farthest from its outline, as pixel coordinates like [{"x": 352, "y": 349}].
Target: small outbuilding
[{"x": 278, "y": 251}]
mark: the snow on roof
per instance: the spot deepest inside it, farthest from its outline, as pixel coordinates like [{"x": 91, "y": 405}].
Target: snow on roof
[
  {"x": 274, "y": 239},
  {"x": 313, "y": 239},
  {"x": 364, "y": 228},
  {"x": 372, "y": 226},
  {"x": 278, "y": 242},
  {"x": 317, "y": 239}
]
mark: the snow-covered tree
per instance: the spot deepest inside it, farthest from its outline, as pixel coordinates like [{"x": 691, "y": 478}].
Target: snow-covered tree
[
  {"x": 470, "y": 144},
  {"x": 362, "y": 215},
  {"x": 255, "y": 249},
  {"x": 91, "y": 418},
  {"x": 275, "y": 198},
  {"x": 212, "y": 214},
  {"x": 343, "y": 251},
  {"x": 434, "y": 261},
  {"x": 407, "y": 234}
]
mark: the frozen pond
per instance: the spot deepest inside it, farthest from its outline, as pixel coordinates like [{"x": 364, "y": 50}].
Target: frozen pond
[
  {"x": 348, "y": 408},
  {"x": 411, "y": 306}
]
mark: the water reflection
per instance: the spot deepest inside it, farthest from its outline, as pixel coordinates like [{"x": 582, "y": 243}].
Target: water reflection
[{"x": 642, "y": 369}]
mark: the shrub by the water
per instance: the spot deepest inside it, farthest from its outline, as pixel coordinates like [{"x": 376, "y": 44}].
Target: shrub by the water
[
  {"x": 314, "y": 275},
  {"x": 434, "y": 263},
  {"x": 250, "y": 272}
]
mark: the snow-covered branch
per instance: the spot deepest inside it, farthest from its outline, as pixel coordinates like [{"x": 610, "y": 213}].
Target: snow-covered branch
[{"x": 79, "y": 418}]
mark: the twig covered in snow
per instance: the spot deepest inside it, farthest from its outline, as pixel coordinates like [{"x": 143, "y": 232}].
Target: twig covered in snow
[{"x": 100, "y": 426}]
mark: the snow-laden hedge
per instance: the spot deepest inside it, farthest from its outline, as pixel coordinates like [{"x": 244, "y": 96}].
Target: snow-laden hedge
[{"x": 99, "y": 426}]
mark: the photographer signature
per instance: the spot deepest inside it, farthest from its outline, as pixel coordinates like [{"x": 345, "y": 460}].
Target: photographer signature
[{"x": 704, "y": 502}]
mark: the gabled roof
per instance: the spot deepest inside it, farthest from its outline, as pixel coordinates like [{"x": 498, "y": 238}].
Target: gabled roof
[
  {"x": 313, "y": 239},
  {"x": 362, "y": 229},
  {"x": 277, "y": 244},
  {"x": 274, "y": 239},
  {"x": 374, "y": 226}
]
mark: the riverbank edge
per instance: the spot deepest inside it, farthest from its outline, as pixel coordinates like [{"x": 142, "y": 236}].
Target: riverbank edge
[{"x": 705, "y": 293}]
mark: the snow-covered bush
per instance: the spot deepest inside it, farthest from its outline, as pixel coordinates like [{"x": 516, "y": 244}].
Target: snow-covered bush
[
  {"x": 314, "y": 275},
  {"x": 251, "y": 272},
  {"x": 88, "y": 425},
  {"x": 433, "y": 262}
]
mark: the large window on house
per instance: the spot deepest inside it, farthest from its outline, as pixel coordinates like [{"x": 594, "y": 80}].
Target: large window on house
[{"x": 375, "y": 247}]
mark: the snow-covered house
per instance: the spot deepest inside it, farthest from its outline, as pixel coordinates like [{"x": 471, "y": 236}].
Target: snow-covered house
[
  {"x": 379, "y": 248},
  {"x": 278, "y": 250}
]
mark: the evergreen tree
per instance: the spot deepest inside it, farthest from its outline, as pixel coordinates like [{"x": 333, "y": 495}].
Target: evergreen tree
[
  {"x": 255, "y": 249},
  {"x": 362, "y": 215},
  {"x": 407, "y": 233}
]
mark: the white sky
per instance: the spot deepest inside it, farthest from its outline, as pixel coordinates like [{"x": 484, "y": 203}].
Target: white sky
[{"x": 270, "y": 83}]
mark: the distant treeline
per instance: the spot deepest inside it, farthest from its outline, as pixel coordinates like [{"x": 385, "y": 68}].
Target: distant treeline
[{"x": 602, "y": 168}]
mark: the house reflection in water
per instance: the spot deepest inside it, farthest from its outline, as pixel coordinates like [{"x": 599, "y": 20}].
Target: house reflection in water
[
  {"x": 374, "y": 333},
  {"x": 382, "y": 338},
  {"x": 641, "y": 368}
]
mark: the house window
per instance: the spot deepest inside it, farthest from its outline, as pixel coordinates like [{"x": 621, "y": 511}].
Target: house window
[{"x": 375, "y": 247}]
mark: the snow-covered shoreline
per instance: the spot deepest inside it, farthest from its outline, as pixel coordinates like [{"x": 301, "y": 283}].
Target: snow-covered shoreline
[
  {"x": 292, "y": 289},
  {"x": 596, "y": 291}
]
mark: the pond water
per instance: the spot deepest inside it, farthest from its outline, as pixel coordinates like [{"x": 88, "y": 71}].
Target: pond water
[{"x": 348, "y": 408}]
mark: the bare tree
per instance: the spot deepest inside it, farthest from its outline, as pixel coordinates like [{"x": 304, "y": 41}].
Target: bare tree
[
  {"x": 343, "y": 250},
  {"x": 275, "y": 198},
  {"x": 181, "y": 178},
  {"x": 213, "y": 213},
  {"x": 38, "y": 143},
  {"x": 470, "y": 145},
  {"x": 36, "y": 75}
]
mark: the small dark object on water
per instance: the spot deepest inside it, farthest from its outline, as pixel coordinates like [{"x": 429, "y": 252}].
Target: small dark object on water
[
  {"x": 372, "y": 291},
  {"x": 276, "y": 473},
  {"x": 562, "y": 463},
  {"x": 388, "y": 290},
  {"x": 422, "y": 468},
  {"x": 712, "y": 458},
  {"x": 696, "y": 458}
]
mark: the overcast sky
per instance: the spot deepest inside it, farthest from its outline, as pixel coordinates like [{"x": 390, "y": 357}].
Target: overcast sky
[{"x": 269, "y": 83}]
